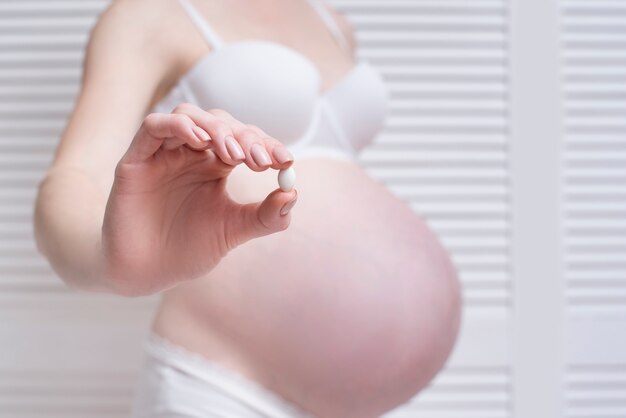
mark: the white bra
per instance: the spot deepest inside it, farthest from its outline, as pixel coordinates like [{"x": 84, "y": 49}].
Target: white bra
[{"x": 277, "y": 88}]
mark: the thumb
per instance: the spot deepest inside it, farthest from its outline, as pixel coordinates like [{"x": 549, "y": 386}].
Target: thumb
[{"x": 266, "y": 217}]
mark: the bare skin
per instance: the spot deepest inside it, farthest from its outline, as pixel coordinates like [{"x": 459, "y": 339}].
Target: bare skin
[{"x": 346, "y": 306}]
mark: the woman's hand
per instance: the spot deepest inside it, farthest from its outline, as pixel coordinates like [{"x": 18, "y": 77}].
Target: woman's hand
[{"x": 168, "y": 217}]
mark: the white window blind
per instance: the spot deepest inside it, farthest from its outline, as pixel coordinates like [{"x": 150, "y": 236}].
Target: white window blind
[
  {"x": 507, "y": 134},
  {"x": 594, "y": 206},
  {"x": 62, "y": 353}
]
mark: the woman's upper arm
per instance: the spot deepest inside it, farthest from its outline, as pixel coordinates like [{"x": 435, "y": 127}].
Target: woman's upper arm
[{"x": 123, "y": 67}]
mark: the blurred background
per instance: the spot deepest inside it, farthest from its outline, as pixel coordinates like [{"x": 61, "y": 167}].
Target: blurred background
[{"x": 507, "y": 133}]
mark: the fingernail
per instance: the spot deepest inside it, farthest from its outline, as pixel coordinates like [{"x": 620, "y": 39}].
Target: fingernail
[
  {"x": 285, "y": 209},
  {"x": 282, "y": 155},
  {"x": 200, "y": 133},
  {"x": 259, "y": 155},
  {"x": 234, "y": 149}
]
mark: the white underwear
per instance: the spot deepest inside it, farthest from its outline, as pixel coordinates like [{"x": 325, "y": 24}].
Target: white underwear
[{"x": 176, "y": 383}]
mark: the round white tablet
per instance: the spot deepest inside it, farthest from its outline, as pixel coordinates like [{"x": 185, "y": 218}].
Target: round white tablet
[{"x": 287, "y": 179}]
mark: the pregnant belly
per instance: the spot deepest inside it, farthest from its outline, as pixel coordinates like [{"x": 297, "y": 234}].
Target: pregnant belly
[{"x": 348, "y": 312}]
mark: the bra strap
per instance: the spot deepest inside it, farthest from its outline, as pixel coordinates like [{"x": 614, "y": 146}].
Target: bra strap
[
  {"x": 330, "y": 22},
  {"x": 203, "y": 26}
]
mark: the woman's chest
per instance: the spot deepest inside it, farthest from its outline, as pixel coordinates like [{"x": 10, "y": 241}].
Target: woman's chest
[{"x": 278, "y": 90}]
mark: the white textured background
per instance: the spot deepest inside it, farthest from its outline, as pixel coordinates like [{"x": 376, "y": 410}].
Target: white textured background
[{"x": 507, "y": 132}]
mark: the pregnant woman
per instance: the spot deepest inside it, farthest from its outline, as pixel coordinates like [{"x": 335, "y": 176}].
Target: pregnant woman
[{"x": 330, "y": 300}]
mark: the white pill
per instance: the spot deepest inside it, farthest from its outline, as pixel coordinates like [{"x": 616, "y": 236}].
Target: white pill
[{"x": 287, "y": 179}]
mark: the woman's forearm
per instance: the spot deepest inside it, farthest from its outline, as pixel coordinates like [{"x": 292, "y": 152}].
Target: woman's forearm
[{"x": 69, "y": 210}]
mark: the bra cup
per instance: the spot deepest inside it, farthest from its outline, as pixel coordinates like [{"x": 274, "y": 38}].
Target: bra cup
[
  {"x": 361, "y": 104},
  {"x": 277, "y": 89}
]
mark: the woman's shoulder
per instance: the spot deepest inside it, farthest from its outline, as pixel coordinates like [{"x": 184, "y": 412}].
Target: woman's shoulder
[
  {"x": 148, "y": 33},
  {"x": 345, "y": 25},
  {"x": 133, "y": 20}
]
